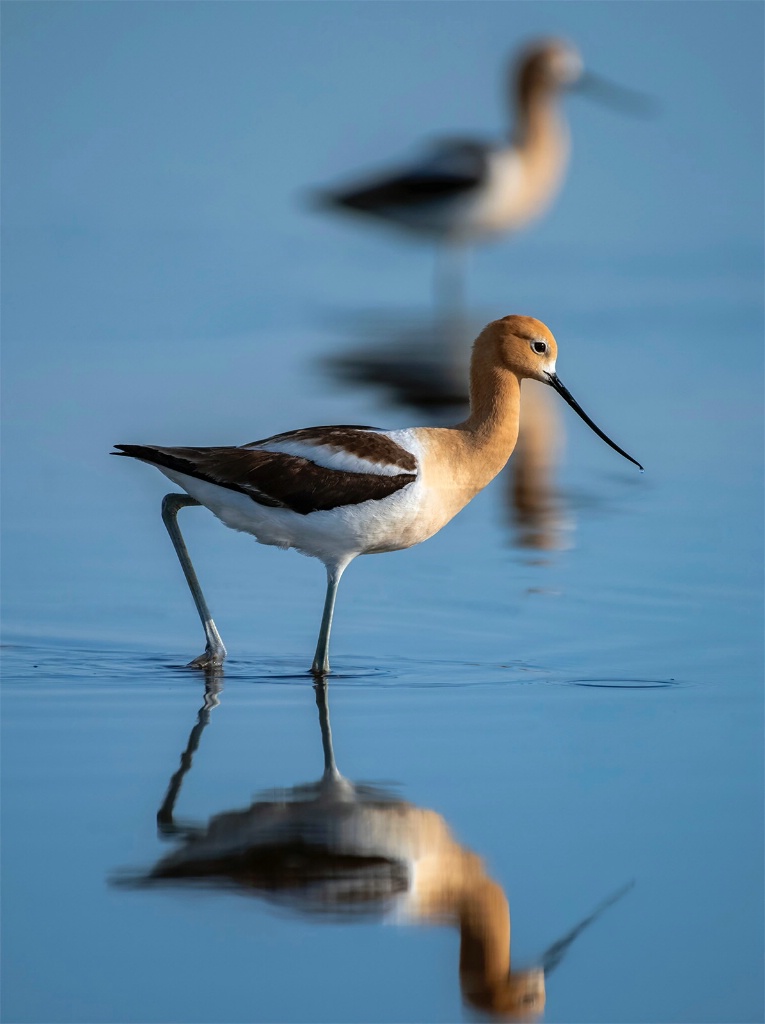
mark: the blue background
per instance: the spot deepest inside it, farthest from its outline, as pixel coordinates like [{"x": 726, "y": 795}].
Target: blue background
[{"x": 165, "y": 280}]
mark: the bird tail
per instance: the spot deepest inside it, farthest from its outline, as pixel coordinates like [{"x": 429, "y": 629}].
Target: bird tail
[{"x": 137, "y": 451}]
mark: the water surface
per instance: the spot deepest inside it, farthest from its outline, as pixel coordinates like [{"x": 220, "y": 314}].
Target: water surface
[{"x": 583, "y": 716}]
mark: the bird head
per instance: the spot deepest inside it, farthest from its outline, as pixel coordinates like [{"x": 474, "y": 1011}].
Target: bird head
[
  {"x": 547, "y": 65},
  {"x": 527, "y": 348}
]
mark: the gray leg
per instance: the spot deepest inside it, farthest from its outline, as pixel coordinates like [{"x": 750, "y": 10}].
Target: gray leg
[
  {"x": 449, "y": 282},
  {"x": 215, "y": 652},
  {"x": 166, "y": 823},
  {"x": 322, "y": 703},
  {"x": 320, "y": 665}
]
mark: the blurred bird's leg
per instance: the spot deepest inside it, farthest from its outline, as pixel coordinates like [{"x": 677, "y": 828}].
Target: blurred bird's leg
[
  {"x": 451, "y": 329},
  {"x": 534, "y": 500},
  {"x": 215, "y": 652},
  {"x": 449, "y": 282}
]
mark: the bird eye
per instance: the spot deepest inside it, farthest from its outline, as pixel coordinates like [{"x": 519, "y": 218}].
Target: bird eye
[{"x": 539, "y": 346}]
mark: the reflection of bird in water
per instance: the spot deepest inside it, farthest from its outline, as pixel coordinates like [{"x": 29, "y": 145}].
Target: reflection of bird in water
[
  {"x": 464, "y": 190},
  {"x": 338, "y": 492},
  {"x": 344, "y": 850}
]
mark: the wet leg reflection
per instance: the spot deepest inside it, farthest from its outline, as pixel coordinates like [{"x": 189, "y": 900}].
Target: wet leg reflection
[{"x": 166, "y": 823}]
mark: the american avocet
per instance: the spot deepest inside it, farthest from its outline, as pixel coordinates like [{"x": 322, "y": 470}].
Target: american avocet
[
  {"x": 335, "y": 492},
  {"x": 336, "y": 848},
  {"x": 464, "y": 190}
]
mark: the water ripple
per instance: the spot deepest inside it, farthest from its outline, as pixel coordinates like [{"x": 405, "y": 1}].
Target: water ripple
[{"x": 25, "y": 664}]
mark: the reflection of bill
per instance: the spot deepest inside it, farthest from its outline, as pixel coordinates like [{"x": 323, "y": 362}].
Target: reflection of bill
[{"x": 345, "y": 850}]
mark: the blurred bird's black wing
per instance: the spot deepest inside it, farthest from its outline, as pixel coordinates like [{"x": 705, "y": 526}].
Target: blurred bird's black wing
[{"x": 449, "y": 169}]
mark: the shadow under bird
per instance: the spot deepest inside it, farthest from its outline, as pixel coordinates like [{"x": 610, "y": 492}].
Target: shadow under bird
[
  {"x": 335, "y": 492},
  {"x": 464, "y": 190}
]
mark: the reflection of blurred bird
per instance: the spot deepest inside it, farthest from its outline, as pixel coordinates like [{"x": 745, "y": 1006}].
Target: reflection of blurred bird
[
  {"x": 345, "y": 850},
  {"x": 536, "y": 508},
  {"x": 465, "y": 190},
  {"x": 338, "y": 492}
]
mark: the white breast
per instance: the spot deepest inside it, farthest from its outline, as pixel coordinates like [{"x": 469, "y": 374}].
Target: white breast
[{"x": 495, "y": 206}]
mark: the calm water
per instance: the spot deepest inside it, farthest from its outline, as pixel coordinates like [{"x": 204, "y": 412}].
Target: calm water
[
  {"x": 580, "y": 719},
  {"x": 540, "y": 727}
]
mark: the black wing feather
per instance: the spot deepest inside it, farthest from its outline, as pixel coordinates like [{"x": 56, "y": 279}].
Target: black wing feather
[
  {"x": 272, "y": 478},
  {"x": 449, "y": 170}
]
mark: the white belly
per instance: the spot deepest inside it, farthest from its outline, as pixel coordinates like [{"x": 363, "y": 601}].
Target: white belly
[
  {"x": 335, "y": 535},
  {"x": 489, "y": 208}
]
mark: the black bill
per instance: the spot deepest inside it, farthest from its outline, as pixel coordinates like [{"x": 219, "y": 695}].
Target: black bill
[
  {"x": 619, "y": 97},
  {"x": 553, "y": 956},
  {"x": 555, "y": 382}
]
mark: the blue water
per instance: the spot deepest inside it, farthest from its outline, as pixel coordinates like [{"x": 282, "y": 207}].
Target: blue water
[{"x": 585, "y": 719}]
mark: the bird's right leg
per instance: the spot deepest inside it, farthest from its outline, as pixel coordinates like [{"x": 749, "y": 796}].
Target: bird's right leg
[
  {"x": 320, "y": 666},
  {"x": 215, "y": 652}
]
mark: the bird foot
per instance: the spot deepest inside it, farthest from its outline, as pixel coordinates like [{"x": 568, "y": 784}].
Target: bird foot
[{"x": 213, "y": 657}]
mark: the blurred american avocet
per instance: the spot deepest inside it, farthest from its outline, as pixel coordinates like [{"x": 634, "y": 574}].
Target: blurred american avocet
[
  {"x": 335, "y": 492},
  {"x": 464, "y": 190}
]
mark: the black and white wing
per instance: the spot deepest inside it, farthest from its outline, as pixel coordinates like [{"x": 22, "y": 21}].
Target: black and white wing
[{"x": 310, "y": 470}]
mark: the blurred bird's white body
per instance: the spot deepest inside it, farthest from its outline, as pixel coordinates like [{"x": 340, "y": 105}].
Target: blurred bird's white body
[{"x": 465, "y": 190}]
